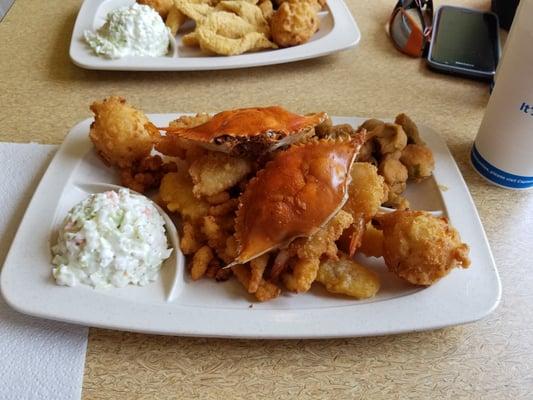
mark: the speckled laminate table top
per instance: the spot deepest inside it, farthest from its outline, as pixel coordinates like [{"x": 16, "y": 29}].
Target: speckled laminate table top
[{"x": 42, "y": 95}]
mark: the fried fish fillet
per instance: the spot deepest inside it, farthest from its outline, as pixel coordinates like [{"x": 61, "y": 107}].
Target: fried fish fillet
[
  {"x": 248, "y": 12},
  {"x": 177, "y": 196},
  {"x": 345, "y": 276},
  {"x": 216, "y": 172},
  {"x": 227, "y": 34}
]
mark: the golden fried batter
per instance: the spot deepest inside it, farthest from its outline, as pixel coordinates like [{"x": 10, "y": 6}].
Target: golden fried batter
[
  {"x": 227, "y": 208},
  {"x": 216, "y": 238},
  {"x": 265, "y": 291},
  {"x": 322, "y": 242},
  {"x": 200, "y": 262},
  {"x": 216, "y": 172},
  {"x": 418, "y": 159},
  {"x": 410, "y": 129},
  {"x": 294, "y": 23},
  {"x": 232, "y": 27},
  {"x": 175, "y": 19},
  {"x": 366, "y": 191},
  {"x": 267, "y": 9},
  {"x": 257, "y": 269},
  {"x": 195, "y": 10},
  {"x": 190, "y": 239},
  {"x": 121, "y": 134},
  {"x": 217, "y": 199},
  {"x": 419, "y": 247},
  {"x": 373, "y": 126},
  {"x": 319, "y": 3},
  {"x": 303, "y": 275},
  {"x": 390, "y": 138},
  {"x": 190, "y": 39},
  {"x": 176, "y": 194},
  {"x": 232, "y": 248},
  {"x": 395, "y": 175},
  {"x": 393, "y": 171},
  {"x": 348, "y": 277},
  {"x": 146, "y": 174},
  {"x": 211, "y": 41},
  {"x": 308, "y": 252},
  {"x": 249, "y": 12},
  {"x": 190, "y": 121}
]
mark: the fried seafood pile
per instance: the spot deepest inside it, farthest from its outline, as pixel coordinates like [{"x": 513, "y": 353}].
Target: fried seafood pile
[
  {"x": 231, "y": 27},
  {"x": 400, "y": 155},
  {"x": 280, "y": 200}
]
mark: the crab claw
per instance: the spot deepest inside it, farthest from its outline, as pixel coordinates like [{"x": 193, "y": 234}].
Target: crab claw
[
  {"x": 249, "y": 130},
  {"x": 296, "y": 193}
]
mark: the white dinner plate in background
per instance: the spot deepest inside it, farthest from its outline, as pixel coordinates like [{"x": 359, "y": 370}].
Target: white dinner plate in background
[{"x": 338, "y": 31}]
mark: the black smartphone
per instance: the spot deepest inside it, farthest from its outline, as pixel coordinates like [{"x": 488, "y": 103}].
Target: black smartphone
[{"x": 465, "y": 42}]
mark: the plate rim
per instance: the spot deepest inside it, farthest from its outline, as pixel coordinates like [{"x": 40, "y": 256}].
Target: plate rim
[
  {"x": 344, "y": 35},
  {"x": 262, "y": 323}
]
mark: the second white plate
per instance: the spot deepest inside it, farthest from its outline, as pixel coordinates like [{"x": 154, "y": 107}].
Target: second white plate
[{"x": 338, "y": 31}]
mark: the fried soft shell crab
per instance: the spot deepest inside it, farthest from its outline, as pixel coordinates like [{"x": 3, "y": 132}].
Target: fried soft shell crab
[{"x": 280, "y": 200}]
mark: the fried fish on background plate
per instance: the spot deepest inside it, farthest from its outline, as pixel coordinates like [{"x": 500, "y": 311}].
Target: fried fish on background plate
[{"x": 231, "y": 27}]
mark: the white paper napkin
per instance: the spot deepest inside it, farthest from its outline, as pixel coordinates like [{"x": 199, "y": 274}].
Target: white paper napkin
[{"x": 39, "y": 359}]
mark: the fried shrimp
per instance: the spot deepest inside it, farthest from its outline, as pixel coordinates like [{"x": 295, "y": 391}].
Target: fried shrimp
[
  {"x": 367, "y": 191},
  {"x": 419, "y": 247},
  {"x": 304, "y": 272},
  {"x": 121, "y": 134},
  {"x": 307, "y": 253}
]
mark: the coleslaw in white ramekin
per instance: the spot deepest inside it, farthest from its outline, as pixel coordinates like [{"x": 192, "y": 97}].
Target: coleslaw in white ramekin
[{"x": 110, "y": 239}]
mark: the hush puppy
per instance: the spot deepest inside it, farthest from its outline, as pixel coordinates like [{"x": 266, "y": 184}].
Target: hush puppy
[
  {"x": 419, "y": 247},
  {"x": 294, "y": 23},
  {"x": 121, "y": 134}
]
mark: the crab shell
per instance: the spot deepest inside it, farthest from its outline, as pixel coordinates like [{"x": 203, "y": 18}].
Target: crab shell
[
  {"x": 296, "y": 193},
  {"x": 249, "y": 131}
]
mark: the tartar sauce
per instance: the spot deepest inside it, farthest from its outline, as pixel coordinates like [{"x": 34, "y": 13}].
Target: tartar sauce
[
  {"x": 136, "y": 30},
  {"x": 110, "y": 239}
]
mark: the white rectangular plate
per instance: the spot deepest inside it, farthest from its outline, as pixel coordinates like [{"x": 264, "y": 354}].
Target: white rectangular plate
[
  {"x": 338, "y": 31},
  {"x": 173, "y": 305}
]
